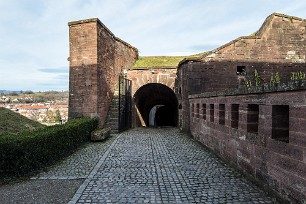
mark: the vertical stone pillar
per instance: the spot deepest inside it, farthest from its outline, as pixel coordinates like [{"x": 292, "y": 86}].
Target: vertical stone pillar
[
  {"x": 96, "y": 58},
  {"x": 243, "y": 111},
  {"x": 184, "y": 80},
  {"x": 83, "y": 68},
  {"x": 265, "y": 123}
]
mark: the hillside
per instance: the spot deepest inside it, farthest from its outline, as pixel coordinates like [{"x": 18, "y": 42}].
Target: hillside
[{"x": 11, "y": 122}]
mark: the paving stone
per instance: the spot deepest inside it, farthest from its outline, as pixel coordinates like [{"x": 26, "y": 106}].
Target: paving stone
[
  {"x": 153, "y": 166},
  {"x": 80, "y": 164},
  {"x": 158, "y": 166}
]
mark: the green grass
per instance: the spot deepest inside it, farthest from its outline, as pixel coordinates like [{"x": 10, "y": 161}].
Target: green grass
[
  {"x": 158, "y": 61},
  {"x": 161, "y": 61},
  {"x": 11, "y": 122}
]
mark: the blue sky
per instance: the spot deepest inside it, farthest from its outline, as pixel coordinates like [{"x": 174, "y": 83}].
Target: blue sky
[{"x": 35, "y": 43}]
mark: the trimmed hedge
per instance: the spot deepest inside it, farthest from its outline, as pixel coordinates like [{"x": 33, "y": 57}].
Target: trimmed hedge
[{"x": 29, "y": 151}]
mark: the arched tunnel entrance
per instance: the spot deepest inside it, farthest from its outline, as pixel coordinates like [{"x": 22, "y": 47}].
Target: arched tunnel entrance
[{"x": 156, "y": 105}]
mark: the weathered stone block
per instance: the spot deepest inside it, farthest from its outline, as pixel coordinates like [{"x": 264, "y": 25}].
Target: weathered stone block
[
  {"x": 285, "y": 149},
  {"x": 100, "y": 134}
]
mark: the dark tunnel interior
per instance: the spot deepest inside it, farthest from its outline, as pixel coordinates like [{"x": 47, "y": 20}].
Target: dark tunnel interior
[{"x": 163, "y": 99}]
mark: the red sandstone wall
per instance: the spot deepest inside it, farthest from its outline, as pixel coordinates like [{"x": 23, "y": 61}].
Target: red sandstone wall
[
  {"x": 113, "y": 56},
  {"x": 279, "y": 46},
  {"x": 278, "y": 164},
  {"x": 96, "y": 59},
  {"x": 182, "y": 91},
  {"x": 280, "y": 39},
  {"x": 83, "y": 69}
]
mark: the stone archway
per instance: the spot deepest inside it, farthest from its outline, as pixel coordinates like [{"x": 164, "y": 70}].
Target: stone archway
[
  {"x": 161, "y": 75},
  {"x": 161, "y": 97}
]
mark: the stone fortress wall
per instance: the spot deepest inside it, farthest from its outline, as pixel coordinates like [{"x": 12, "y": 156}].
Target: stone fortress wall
[{"x": 257, "y": 126}]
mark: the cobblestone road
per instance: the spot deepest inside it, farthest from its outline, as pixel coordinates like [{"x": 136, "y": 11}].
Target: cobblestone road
[
  {"x": 156, "y": 166},
  {"x": 80, "y": 164}
]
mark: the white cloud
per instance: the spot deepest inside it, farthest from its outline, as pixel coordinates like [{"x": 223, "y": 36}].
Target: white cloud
[{"x": 34, "y": 34}]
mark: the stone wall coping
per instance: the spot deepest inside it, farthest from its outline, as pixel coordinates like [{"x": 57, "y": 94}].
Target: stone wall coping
[
  {"x": 267, "y": 88},
  {"x": 96, "y": 20},
  {"x": 258, "y": 35}
]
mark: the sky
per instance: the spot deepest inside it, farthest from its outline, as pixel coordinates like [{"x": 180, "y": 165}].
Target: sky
[{"x": 34, "y": 38}]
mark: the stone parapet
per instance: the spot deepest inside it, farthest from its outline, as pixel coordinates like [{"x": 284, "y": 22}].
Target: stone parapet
[
  {"x": 267, "y": 88},
  {"x": 260, "y": 131}
]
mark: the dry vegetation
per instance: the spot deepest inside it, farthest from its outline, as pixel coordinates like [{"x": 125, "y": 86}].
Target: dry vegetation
[{"x": 161, "y": 61}]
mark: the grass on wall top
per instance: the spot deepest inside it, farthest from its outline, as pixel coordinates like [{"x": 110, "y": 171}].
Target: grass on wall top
[
  {"x": 161, "y": 61},
  {"x": 158, "y": 61}
]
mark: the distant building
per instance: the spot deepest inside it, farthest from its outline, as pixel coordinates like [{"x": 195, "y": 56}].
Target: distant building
[
  {"x": 4, "y": 99},
  {"x": 36, "y": 108}
]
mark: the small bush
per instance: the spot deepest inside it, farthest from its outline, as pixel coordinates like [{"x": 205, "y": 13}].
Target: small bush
[{"x": 28, "y": 151}]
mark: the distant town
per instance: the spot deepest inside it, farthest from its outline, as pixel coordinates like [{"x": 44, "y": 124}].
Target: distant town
[{"x": 48, "y": 108}]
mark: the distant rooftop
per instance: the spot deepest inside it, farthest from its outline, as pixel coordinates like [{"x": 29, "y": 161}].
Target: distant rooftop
[{"x": 33, "y": 107}]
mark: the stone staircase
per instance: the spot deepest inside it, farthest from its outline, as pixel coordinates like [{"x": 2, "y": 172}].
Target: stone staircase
[{"x": 112, "y": 119}]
